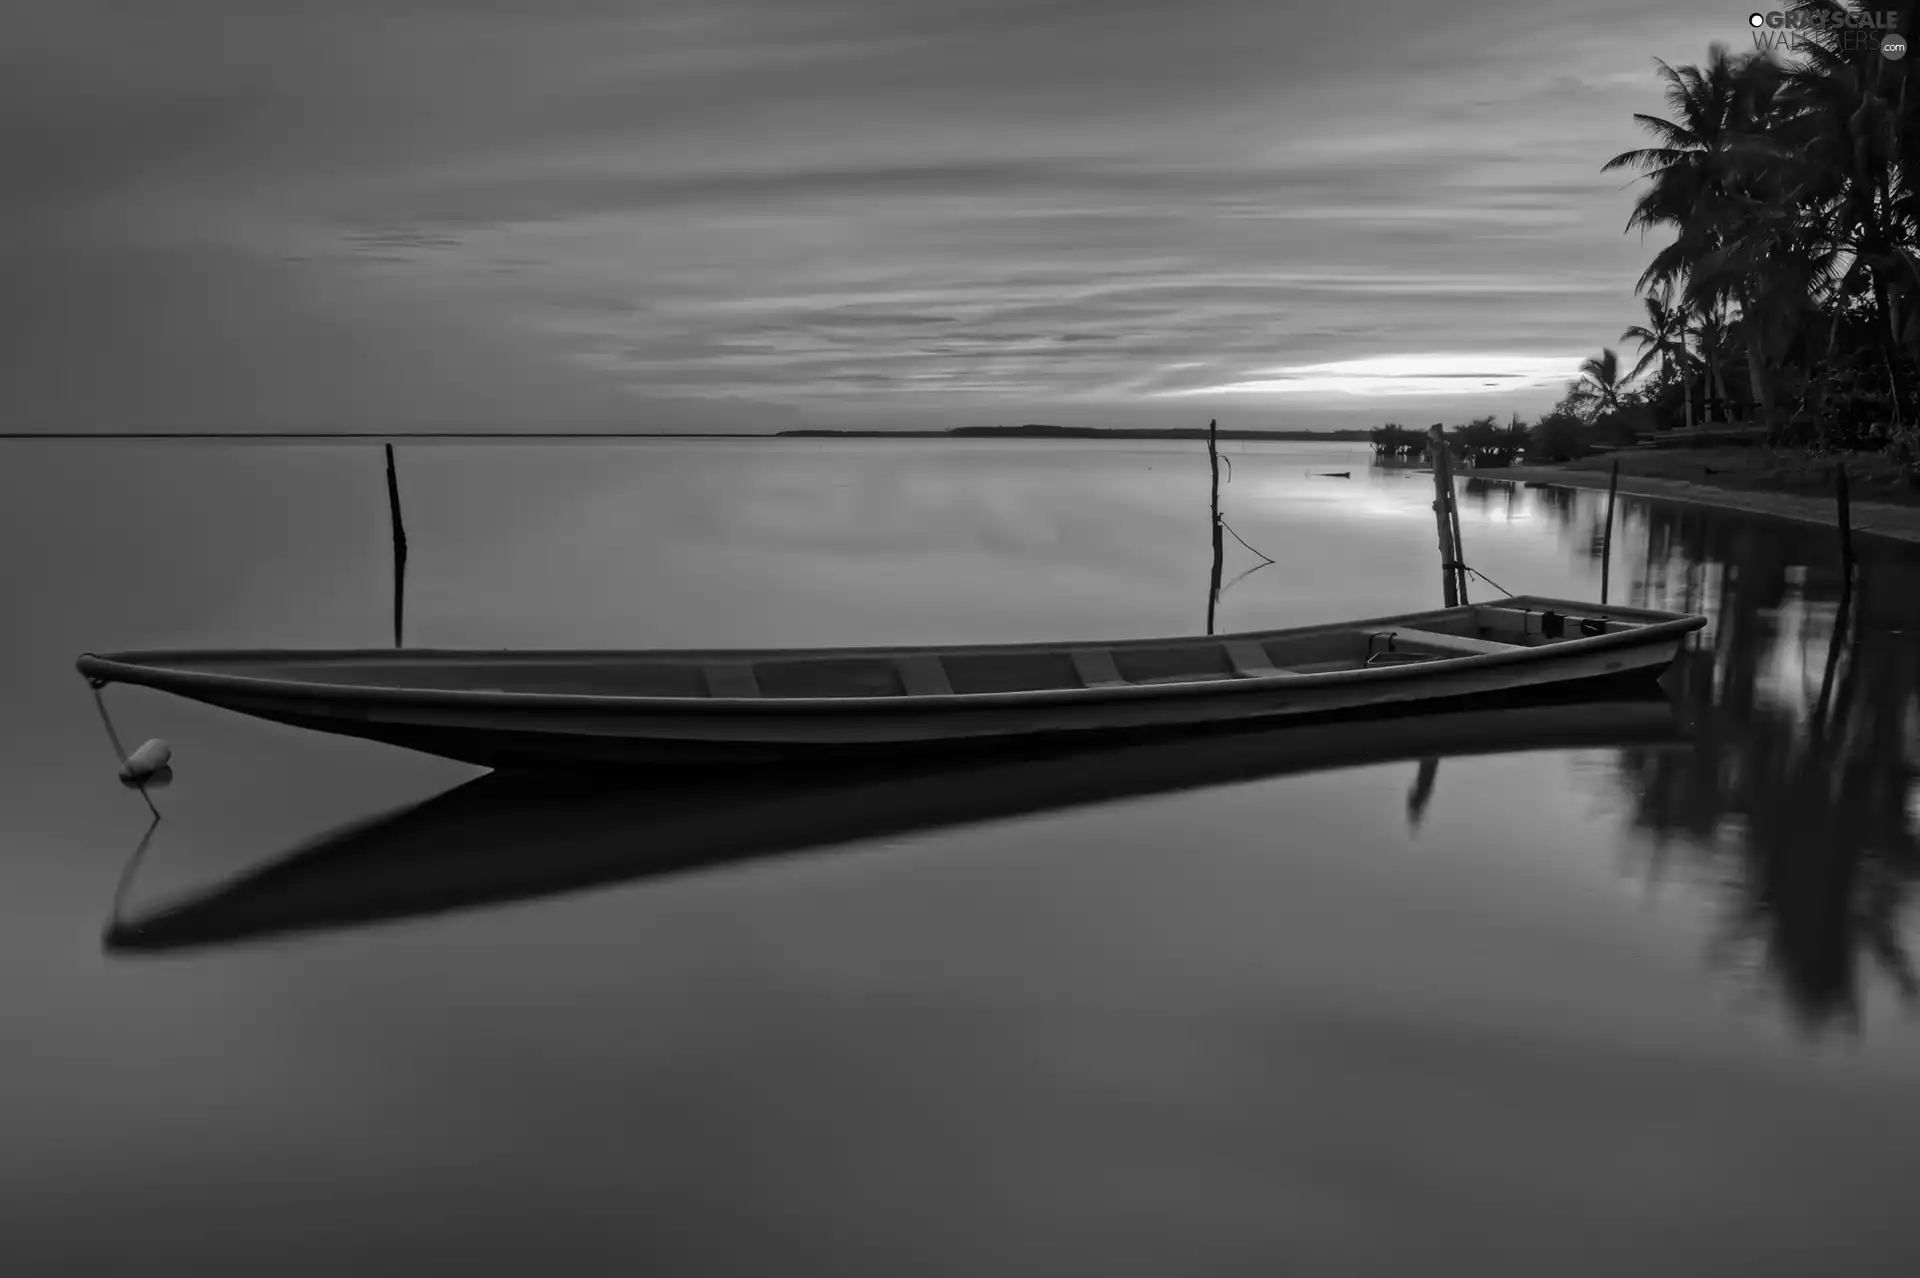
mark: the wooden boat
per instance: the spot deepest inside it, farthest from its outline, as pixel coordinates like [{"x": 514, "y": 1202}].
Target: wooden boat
[
  {"x": 511, "y": 837},
  {"x": 736, "y": 705}
]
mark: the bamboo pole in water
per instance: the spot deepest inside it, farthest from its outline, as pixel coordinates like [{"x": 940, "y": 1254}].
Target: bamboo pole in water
[
  {"x": 1213, "y": 464},
  {"x": 1606, "y": 536},
  {"x": 1443, "y": 513},
  {"x": 399, "y": 548},
  {"x": 1453, "y": 519}
]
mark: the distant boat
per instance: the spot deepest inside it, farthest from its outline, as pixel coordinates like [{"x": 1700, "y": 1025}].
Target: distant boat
[
  {"x": 737, "y": 706},
  {"x": 1336, "y": 474},
  {"x": 509, "y": 837}
]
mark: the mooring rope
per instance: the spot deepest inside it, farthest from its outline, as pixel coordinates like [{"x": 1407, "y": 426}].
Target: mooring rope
[
  {"x": 120, "y": 751},
  {"x": 100, "y": 704},
  {"x": 1237, "y": 537},
  {"x": 1481, "y": 575},
  {"x": 139, "y": 853}
]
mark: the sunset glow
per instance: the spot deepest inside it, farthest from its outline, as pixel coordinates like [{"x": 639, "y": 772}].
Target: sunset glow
[{"x": 1392, "y": 375}]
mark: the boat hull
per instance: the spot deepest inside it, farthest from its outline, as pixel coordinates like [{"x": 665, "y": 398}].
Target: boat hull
[
  {"x": 618, "y": 742},
  {"x": 479, "y": 714}
]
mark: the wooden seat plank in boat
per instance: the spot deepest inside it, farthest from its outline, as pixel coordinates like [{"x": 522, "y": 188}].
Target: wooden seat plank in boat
[
  {"x": 734, "y": 679},
  {"x": 1250, "y": 660},
  {"x": 1096, "y": 668},
  {"x": 1544, "y": 622},
  {"x": 1461, "y": 644},
  {"x": 923, "y": 676},
  {"x": 1187, "y": 661}
]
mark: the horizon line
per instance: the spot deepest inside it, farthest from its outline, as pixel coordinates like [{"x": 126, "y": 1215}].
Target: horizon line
[{"x": 504, "y": 434}]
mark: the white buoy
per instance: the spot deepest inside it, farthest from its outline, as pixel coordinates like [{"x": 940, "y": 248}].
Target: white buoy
[{"x": 146, "y": 761}]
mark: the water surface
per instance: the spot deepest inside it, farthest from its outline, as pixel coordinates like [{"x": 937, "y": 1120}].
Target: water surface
[{"x": 1569, "y": 1012}]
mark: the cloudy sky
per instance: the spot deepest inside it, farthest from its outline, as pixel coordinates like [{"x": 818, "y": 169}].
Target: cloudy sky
[{"x": 757, "y": 214}]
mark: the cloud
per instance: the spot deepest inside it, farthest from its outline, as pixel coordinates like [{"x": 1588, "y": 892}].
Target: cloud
[
  {"x": 772, "y": 210},
  {"x": 187, "y": 338}
]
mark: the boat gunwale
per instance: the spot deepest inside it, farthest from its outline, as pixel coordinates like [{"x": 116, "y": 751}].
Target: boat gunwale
[{"x": 142, "y": 666}]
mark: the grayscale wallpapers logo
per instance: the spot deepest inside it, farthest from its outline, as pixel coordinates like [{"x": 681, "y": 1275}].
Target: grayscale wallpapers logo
[{"x": 1847, "y": 30}]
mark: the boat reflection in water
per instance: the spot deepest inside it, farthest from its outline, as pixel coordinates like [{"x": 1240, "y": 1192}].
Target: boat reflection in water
[
  {"x": 1799, "y": 795},
  {"x": 509, "y": 837}
]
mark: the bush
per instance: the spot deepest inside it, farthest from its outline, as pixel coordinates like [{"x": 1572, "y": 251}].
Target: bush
[
  {"x": 1665, "y": 404},
  {"x": 1619, "y": 428},
  {"x": 1558, "y": 436},
  {"x": 1395, "y": 440},
  {"x": 1904, "y": 452},
  {"x": 1484, "y": 442},
  {"x": 1849, "y": 408}
]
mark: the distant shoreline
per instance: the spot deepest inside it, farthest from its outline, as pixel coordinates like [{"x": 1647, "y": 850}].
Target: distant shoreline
[
  {"x": 1085, "y": 432},
  {"x": 958, "y": 432}
]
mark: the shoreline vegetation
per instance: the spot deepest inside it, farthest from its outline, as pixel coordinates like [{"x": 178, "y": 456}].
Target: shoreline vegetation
[{"x": 1780, "y": 346}]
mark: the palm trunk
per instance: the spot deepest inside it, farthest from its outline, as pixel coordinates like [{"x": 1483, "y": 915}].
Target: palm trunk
[
  {"x": 1713, "y": 391},
  {"x": 1757, "y": 373},
  {"x": 1889, "y": 346},
  {"x": 1705, "y": 382},
  {"x": 1764, "y": 393}
]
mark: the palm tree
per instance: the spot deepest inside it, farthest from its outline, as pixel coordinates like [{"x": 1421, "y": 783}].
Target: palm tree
[
  {"x": 1776, "y": 267},
  {"x": 1895, "y": 85},
  {"x": 1855, "y": 188},
  {"x": 1791, "y": 192},
  {"x": 1663, "y": 335},
  {"x": 1707, "y": 180},
  {"x": 1747, "y": 240},
  {"x": 1685, "y": 169},
  {"x": 1600, "y": 381}
]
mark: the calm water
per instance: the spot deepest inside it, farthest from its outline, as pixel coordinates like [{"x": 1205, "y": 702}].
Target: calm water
[{"x": 1583, "y": 1011}]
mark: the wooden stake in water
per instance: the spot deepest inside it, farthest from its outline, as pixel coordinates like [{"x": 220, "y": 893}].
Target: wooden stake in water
[
  {"x": 1213, "y": 463},
  {"x": 1606, "y": 536},
  {"x": 399, "y": 548},
  {"x": 1443, "y": 513},
  {"x": 1453, "y": 518}
]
